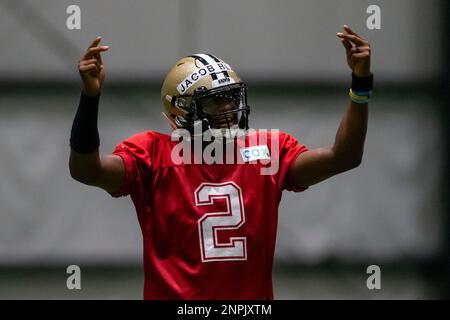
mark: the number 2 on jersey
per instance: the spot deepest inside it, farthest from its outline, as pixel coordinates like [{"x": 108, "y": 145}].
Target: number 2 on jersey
[{"x": 213, "y": 222}]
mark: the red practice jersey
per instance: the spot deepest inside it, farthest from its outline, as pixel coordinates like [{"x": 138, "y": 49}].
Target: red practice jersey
[{"x": 209, "y": 230}]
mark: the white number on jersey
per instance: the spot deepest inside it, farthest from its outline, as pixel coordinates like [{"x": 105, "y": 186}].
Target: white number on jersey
[{"x": 213, "y": 222}]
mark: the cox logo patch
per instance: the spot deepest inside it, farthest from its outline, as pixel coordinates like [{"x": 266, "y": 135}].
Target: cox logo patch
[{"x": 255, "y": 153}]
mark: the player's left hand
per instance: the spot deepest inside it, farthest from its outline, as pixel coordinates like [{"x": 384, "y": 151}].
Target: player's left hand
[{"x": 358, "y": 51}]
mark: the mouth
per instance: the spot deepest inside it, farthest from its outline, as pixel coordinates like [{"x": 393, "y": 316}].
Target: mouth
[
  {"x": 222, "y": 124},
  {"x": 225, "y": 121}
]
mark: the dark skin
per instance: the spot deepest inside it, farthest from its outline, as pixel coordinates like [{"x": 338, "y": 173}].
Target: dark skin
[
  {"x": 104, "y": 171},
  {"x": 311, "y": 167},
  {"x": 217, "y": 106},
  {"x": 346, "y": 153}
]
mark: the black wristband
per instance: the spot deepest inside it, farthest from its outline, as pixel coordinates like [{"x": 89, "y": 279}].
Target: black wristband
[
  {"x": 362, "y": 84},
  {"x": 84, "y": 137}
]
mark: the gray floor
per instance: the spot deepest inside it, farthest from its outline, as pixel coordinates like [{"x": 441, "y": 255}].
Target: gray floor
[{"x": 289, "y": 283}]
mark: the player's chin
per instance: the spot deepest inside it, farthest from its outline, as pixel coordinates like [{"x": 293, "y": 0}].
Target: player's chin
[
  {"x": 225, "y": 123},
  {"x": 226, "y": 134}
]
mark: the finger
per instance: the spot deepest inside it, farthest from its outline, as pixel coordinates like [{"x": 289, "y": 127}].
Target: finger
[
  {"x": 350, "y": 31},
  {"x": 360, "y": 49},
  {"x": 98, "y": 56},
  {"x": 89, "y": 67},
  {"x": 95, "y": 42},
  {"x": 350, "y": 37},
  {"x": 92, "y": 51},
  {"x": 361, "y": 55},
  {"x": 347, "y": 45},
  {"x": 89, "y": 61}
]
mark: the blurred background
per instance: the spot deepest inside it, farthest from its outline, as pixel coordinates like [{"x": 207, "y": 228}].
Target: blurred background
[{"x": 392, "y": 211}]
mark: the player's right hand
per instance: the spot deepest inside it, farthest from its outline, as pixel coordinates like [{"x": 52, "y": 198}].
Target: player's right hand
[{"x": 91, "y": 68}]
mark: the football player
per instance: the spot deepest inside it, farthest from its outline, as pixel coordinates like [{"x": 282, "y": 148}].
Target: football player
[{"x": 209, "y": 230}]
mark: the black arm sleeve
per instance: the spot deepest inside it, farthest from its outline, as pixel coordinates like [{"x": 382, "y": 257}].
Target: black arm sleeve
[
  {"x": 84, "y": 136},
  {"x": 362, "y": 84}
]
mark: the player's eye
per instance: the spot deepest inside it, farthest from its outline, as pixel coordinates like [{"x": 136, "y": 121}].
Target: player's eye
[{"x": 217, "y": 105}]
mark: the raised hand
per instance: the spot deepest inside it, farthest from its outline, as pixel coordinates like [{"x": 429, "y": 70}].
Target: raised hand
[
  {"x": 358, "y": 51},
  {"x": 91, "y": 68}
]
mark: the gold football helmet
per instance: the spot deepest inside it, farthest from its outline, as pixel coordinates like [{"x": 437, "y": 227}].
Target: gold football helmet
[{"x": 204, "y": 88}]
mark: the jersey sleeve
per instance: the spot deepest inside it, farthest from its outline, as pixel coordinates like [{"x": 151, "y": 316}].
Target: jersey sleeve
[
  {"x": 290, "y": 149},
  {"x": 136, "y": 155}
]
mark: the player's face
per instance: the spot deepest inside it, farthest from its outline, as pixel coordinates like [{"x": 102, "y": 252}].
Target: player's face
[{"x": 216, "y": 107}]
